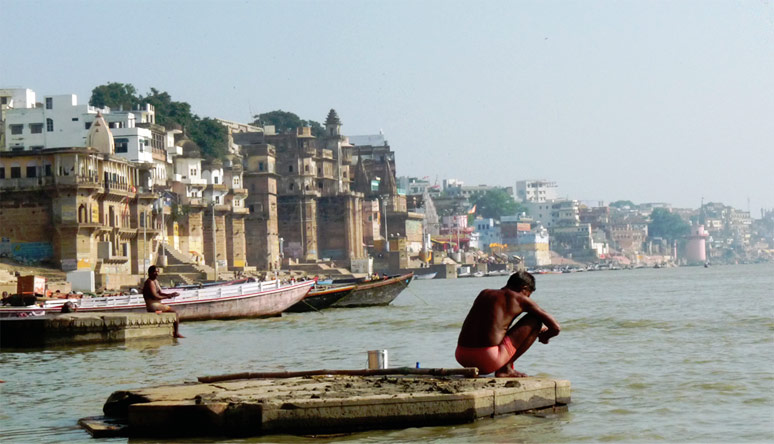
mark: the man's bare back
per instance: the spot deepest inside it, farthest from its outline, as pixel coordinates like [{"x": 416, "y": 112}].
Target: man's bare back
[
  {"x": 487, "y": 339},
  {"x": 490, "y": 317}
]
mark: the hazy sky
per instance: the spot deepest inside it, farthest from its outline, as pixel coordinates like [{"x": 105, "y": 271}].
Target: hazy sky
[{"x": 643, "y": 100}]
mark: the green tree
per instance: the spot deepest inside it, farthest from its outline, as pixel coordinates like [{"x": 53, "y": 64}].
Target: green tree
[
  {"x": 495, "y": 204},
  {"x": 286, "y": 122},
  {"x": 211, "y": 136},
  {"x": 667, "y": 225},
  {"x": 623, "y": 203},
  {"x": 169, "y": 111},
  {"x": 115, "y": 95}
]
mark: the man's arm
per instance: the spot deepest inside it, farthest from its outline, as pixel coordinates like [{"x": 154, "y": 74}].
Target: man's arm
[
  {"x": 530, "y": 306},
  {"x": 165, "y": 294}
]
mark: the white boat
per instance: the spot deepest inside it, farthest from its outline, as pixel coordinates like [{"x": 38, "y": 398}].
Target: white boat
[
  {"x": 247, "y": 300},
  {"x": 425, "y": 276}
]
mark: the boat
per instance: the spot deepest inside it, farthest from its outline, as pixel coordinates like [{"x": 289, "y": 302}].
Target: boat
[
  {"x": 376, "y": 292},
  {"x": 246, "y": 300},
  {"x": 319, "y": 297},
  {"x": 479, "y": 274},
  {"x": 427, "y": 276}
]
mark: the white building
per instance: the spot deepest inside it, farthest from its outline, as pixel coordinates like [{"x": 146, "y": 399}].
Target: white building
[
  {"x": 536, "y": 191},
  {"x": 488, "y": 232},
  {"x": 60, "y": 122}
]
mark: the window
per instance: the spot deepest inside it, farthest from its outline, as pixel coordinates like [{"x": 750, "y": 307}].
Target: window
[
  {"x": 49, "y": 103},
  {"x": 75, "y": 119},
  {"x": 87, "y": 125},
  {"x": 291, "y": 187},
  {"x": 2, "y": 172},
  {"x": 290, "y": 168},
  {"x": 49, "y": 125},
  {"x": 47, "y": 172},
  {"x": 16, "y": 129},
  {"x": 122, "y": 145},
  {"x": 3, "y": 100},
  {"x": 36, "y": 128},
  {"x": 193, "y": 172},
  {"x": 260, "y": 166},
  {"x": 15, "y": 172},
  {"x": 215, "y": 179}
]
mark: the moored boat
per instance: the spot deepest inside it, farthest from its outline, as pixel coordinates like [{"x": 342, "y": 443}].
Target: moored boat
[
  {"x": 319, "y": 297},
  {"x": 427, "y": 276},
  {"x": 247, "y": 300},
  {"x": 377, "y": 292}
]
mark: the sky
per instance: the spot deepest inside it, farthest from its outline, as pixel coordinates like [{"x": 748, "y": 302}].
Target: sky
[{"x": 648, "y": 101}]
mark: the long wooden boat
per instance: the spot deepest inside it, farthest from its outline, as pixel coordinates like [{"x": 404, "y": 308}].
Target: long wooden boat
[
  {"x": 247, "y": 300},
  {"x": 321, "y": 296},
  {"x": 377, "y": 292}
]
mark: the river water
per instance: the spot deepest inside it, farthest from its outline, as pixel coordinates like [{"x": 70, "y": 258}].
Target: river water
[{"x": 677, "y": 354}]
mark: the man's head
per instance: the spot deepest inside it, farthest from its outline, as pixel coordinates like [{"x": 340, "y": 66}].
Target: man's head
[
  {"x": 152, "y": 271},
  {"x": 521, "y": 280}
]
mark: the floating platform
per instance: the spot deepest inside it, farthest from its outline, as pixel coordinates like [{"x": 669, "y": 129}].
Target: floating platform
[
  {"x": 321, "y": 403},
  {"x": 84, "y": 328}
]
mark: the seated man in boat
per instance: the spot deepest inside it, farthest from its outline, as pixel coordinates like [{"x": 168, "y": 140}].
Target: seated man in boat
[
  {"x": 151, "y": 292},
  {"x": 488, "y": 341}
]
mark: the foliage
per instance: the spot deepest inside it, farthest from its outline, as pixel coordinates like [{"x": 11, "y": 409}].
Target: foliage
[
  {"x": 495, "y": 203},
  {"x": 286, "y": 122},
  {"x": 211, "y": 136},
  {"x": 169, "y": 111},
  {"x": 667, "y": 225},
  {"x": 623, "y": 203},
  {"x": 115, "y": 95}
]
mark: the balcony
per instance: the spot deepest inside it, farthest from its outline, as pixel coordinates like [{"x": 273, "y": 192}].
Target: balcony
[
  {"x": 25, "y": 183},
  {"x": 239, "y": 191}
]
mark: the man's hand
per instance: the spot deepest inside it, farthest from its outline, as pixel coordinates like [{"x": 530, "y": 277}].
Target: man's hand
[{"x": 546, "y": 334}]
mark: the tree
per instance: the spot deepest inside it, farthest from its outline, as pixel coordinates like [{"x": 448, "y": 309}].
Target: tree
[
  {"x": 167, "y": 110},
  {"x": 115, "y": 95},
  {"x": 623, "y": 203},
  {"x": 667, "y": 225},
  {"x": 495, "y": 204},
  {"x": 286, "y": 122},
  {"x": 211, "y": 137}
]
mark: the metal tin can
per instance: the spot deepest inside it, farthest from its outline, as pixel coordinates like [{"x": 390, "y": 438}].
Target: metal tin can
[{"x": 377, "y": 359}]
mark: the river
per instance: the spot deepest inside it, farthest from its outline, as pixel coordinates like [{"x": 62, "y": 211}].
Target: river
[{"x": 675, "y": 354}]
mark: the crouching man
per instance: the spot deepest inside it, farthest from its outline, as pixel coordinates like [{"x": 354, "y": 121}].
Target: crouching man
[{"x": 488, "y": 341}]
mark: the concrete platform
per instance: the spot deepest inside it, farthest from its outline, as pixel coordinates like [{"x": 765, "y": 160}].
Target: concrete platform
[
  {"x": 319, "y": 404},
  {"x": 83, "y": 328}
]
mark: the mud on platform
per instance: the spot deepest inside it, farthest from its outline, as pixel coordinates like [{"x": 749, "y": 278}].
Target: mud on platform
[{"x": 319, "y": 404}]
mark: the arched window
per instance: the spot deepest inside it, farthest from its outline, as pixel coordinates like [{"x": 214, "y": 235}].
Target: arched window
[
  {"x": 49, "y": 125},
  {"x": 82, "y": 214}
]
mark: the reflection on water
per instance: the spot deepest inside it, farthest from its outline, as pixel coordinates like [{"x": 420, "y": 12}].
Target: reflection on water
[{"x": 653, "y": 355}]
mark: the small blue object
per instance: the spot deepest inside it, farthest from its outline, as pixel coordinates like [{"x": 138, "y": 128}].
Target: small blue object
[{"x": 417, "y": 364}]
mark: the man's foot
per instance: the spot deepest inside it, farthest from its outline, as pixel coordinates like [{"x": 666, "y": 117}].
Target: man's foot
[
  {"x": 178, "y": 335},
  {"x": 509, "y": 373}
]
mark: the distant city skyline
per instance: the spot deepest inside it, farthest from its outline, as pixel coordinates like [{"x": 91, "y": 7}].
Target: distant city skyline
[{"x": 644, "y": 101}]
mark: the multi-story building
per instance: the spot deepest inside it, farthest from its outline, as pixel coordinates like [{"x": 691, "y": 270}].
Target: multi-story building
[
  {"x": 536, "y": 191},
  {"x": 81, "y": 209}
]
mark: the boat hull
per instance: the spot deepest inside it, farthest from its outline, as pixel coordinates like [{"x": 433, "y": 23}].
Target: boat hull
[
  {"x": 318, "y": 299},
  {"x": 375, "y": 293},
  {"x": 251, "y": 300}
]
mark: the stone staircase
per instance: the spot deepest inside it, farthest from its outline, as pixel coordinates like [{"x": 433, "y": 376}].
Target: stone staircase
[
  {"x": 321, "y": 269},
  {"x": 182, "y": 269}
]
